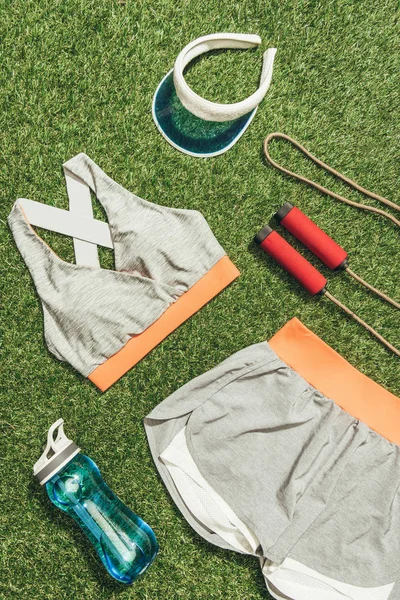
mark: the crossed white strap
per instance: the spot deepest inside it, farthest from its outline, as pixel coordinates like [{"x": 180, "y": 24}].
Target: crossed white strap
[{"x": 77, "y": 222}]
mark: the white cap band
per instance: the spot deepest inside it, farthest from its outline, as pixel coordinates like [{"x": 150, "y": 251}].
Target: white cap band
[{"x": 213, "y": 111}]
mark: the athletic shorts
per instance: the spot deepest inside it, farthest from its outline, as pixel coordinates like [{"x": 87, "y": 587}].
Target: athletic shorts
[{"x": 260, "y": 462}]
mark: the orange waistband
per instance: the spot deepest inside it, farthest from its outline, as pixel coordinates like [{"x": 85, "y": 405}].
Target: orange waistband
[
  {"x": 332, "y": 375},
  {"x": 211, "y": 284}
]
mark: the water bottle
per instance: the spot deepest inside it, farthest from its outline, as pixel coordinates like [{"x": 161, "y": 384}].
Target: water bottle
[{"x": 125, "y": 544}]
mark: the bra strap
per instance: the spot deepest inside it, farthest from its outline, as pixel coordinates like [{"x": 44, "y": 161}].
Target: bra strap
[
  {"x": 66, "y": 222},
  {"x": 78, "y": 222},
  {"x": 80, "y": 203}
]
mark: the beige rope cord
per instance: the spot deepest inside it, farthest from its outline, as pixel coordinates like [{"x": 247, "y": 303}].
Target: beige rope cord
[
  {"x": 372, "y": 288},
  {"x": 363, "y": 323},
  {"x": 323, "y": 165},
  {"x": 359, "y": 205}
]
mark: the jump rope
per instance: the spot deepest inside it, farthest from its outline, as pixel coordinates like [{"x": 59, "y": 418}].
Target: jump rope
[{"x": 316, "y": 240}]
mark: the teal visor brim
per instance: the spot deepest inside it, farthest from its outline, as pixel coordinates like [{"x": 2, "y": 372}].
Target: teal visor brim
[{"x": 186, "y": 132}]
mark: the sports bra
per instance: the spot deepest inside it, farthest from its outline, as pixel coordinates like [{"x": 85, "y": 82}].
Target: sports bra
[{"x": 168, "y": 264}]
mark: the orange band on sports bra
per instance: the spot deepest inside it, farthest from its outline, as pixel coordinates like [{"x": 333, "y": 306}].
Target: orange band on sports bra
[
  {"x": 332, "y": 375},
  {"x": 211, "y": 284}
]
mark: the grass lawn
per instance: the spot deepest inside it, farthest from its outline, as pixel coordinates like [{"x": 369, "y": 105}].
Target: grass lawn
[{"x": 79, "y": 76}]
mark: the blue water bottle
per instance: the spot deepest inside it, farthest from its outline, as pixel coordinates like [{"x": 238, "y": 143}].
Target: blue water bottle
[{"x": 125, "y": 544}]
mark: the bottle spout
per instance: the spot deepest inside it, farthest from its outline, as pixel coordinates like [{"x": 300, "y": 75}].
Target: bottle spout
[{"x": 59, "y": 450}]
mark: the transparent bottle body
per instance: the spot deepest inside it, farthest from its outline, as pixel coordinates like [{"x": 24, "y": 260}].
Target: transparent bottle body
[{"x": 125, "y": 544}]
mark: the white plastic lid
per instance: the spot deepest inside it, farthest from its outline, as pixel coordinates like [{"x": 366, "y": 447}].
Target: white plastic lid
[{"x": 58, "y": 452}]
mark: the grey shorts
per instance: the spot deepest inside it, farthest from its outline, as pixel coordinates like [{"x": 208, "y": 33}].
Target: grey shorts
[{"x": 318, "y": 489}]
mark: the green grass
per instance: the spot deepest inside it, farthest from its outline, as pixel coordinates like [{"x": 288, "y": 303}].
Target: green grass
[{"x": 80, "y": 76}]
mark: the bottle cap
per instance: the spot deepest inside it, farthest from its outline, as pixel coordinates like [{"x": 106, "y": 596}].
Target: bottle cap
[{"x": 59, "y": 450}]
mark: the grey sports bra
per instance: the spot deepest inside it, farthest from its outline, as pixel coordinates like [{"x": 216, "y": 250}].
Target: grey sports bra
[{"x": 167, "y": 265}]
